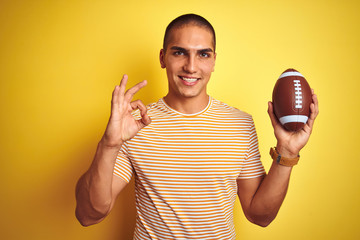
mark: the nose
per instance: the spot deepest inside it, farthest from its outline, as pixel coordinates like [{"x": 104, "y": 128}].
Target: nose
[{"x": 190, "y": 64}]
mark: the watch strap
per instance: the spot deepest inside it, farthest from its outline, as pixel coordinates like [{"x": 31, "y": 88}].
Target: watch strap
[{"x": 289, "y": 162}]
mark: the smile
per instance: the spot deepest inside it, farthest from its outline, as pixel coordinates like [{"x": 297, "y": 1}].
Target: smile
[{"x": 189, "y": 80}]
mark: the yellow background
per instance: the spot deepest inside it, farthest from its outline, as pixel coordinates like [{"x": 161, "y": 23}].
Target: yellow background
[{"x": 59, "y": 62}]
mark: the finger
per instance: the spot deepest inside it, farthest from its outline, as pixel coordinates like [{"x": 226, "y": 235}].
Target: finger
[
  {"x": 145, "y": 119},
  {"x": 115, "y": 96},
  {"x": 138, "y": 104},
  {"x": 131, "y": 92},
  {"x": 123, "y": 83},
  {"x": 310, "y": 122},
  {"x": 314, "y": 111},
  {"x": 316, "y": 103},
  {"x": 122, "y": 88},
  {"x": 115, "y": 100},
  {"x": 273, "y": 118}
]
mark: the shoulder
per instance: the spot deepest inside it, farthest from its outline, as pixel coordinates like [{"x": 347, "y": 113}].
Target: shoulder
[{"x": 222, "y": 109}]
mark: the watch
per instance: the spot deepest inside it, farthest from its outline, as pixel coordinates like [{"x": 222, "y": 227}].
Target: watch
[{"x": 289, "y": 162}]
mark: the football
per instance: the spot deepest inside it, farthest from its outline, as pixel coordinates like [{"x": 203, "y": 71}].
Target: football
[{"x": 291, "y": 100}]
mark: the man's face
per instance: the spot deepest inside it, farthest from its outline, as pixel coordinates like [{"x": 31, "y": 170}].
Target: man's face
[{"x": 189, "y": 61}]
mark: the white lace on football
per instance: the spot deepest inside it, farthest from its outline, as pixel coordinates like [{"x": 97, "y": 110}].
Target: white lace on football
[{"x": 298, "y": 94}]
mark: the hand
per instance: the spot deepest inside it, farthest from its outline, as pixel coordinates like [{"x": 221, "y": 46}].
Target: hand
[
  {"x": 290, "y": 143},
  {"x": 122, "y": 126}
]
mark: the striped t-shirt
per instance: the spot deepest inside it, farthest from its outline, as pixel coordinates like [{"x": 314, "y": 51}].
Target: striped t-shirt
[{"x": 186, "y": 167}]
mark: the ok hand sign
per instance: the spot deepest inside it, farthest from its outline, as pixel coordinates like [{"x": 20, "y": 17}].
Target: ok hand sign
[{"x": 122, "y": 126}]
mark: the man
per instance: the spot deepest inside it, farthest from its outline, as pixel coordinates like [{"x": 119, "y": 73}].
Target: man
[{"x": 190, "y": 154}]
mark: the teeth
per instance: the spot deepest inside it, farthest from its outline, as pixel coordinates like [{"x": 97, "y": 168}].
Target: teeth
[{"x": 189, "y": 79}]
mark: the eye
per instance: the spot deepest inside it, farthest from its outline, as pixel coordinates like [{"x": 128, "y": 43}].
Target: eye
[
  {"x": 178, "y": 53},
  {"x": 204, "y": 54}
]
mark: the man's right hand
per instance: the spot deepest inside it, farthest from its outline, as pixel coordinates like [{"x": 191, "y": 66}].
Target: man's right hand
[
  {"x": 122, "y": 126},
  {"x": 98, "y": 188}
]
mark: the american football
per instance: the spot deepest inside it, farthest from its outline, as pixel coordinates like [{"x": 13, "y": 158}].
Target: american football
[{"x": 291, "y": 100}]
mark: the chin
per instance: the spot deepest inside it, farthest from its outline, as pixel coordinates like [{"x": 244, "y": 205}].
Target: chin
[{"x": 190, "y": 94}]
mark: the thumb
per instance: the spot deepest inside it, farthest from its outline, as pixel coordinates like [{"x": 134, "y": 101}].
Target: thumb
[{"x": 273, "y": 118}]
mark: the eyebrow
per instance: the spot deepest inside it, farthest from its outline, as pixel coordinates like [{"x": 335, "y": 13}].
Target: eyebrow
[{"x": 184, "y": 50}]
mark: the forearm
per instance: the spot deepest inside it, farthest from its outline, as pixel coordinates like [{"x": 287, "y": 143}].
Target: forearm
[
  {"x": 262, "y": 198},
  {"x": 270, "y": 195},
  {"x": 272, "y": 191},
  {"x": 94, "y": 188}
]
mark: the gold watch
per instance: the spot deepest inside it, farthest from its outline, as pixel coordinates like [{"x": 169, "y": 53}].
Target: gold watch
[{"x": 289, "y": 162}]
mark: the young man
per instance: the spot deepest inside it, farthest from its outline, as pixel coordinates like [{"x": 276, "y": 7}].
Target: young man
[{"x": 190, "y": 154}]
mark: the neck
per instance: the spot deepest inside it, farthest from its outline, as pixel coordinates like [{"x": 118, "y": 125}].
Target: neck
[{"x": 187, "y": 105}]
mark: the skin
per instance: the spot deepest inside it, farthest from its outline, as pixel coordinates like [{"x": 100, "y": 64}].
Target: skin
[
  {"x": 189, "y": 55},
  {"x": 261, "y": 198},
  {"x": 98, "y": 188}
]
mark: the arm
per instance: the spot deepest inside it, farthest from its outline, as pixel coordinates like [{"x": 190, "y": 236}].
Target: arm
[
  {"x": 262, "y": 197},
  {"x": 98, "y": 188}
]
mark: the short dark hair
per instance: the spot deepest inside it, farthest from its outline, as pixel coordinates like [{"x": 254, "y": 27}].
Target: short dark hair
[{"x": 188, "y": 19}]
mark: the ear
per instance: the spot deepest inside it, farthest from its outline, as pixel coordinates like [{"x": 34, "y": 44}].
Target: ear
[
  {"x": 162, "y": 58},
  {"x": 213, "y": 69}
]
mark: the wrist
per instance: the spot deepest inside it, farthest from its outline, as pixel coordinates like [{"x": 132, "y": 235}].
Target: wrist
[
  {"x": 282, "y": 160},
  {"x": 105, "y": 157},
  {"x": 105, "y": 143},
  {"x": 285, "y": 152}
]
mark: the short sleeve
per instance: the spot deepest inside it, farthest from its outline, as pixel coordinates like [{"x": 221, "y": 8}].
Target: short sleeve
[
  {"x": 252, "y": 166},
  {"x": 123, "y": 167}
]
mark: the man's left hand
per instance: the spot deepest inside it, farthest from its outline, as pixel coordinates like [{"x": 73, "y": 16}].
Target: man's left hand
[{"x": 289, "y": 143}]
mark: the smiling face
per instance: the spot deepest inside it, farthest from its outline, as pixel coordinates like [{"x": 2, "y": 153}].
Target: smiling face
[{"x": 189, "y": 61}]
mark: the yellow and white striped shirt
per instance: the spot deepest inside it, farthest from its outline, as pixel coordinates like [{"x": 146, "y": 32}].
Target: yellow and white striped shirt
[{"x": 186, "y": 167}]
